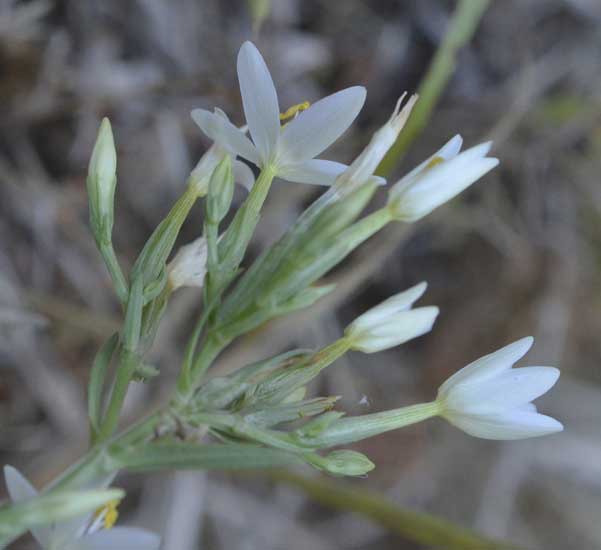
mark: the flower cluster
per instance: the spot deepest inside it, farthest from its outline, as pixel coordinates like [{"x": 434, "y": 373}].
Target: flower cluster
[{"x": 252, "y": 414}]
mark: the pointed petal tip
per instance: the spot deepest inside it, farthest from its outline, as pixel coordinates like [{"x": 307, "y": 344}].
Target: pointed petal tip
[
  {"x": 198, "y": 115},
  {"x": 421, "y": 287}
]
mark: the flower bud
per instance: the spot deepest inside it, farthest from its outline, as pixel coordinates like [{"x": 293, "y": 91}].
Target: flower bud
[
  {"x": 391, "y": 323},
  {"x": 438, "y": 179},
  {"x": 366, "y": 163},
  {"x": 221, "y": 191},
  {"x": 343, "y": 463},
  {"x": 101, "y": 182},
  {"x": 189, "y": 266}
]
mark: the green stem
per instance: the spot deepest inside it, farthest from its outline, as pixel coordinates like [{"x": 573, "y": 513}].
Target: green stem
[
  {"x": 462, "y": 26},
  {"x": 127, "y": 367},
  {"x": 98, "y": 462},
  {"x": 425, "y": 529},
  {"x": 189, "y": 378},
  {"x": 349, "y": 430},
  {"x": 230, "y": 252},
  {"x": 112, "y": 264}
]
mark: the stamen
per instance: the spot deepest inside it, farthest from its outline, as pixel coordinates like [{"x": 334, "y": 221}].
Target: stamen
[
  {"x": 434, "y": 162},
  {"x": 108, "y": 514},
  {"x": 294, "y": 110}
]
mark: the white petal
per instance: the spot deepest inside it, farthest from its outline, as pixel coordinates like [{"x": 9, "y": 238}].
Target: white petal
[
  {"x": 507, "y": 425},
  {"x": 226, "y": 135},
  {"x": 120, "y": 538},
  {"x": 18, "y": 486},
  {"x": 395, "y": 304},
  {"x": 489, "y": 366},
  {"x": 439, "y": 185},
  {"x": 243, "y": 175},
  {"x": 448, "y": 151},
  {"x": 315, "y": 171},
  {"x": 320, "y": 125},
  {"x": 451, "y": 148},
  {"x": 396, "y": 330},
  {"x": 19, "y": 489},
  {"x": 260, "y": 100},
  {"x": 368, "y": 160},
  {"x": 509, "y": 389}
]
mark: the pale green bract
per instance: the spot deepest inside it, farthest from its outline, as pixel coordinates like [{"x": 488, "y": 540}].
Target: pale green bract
[{"x": 259, "y": 416}]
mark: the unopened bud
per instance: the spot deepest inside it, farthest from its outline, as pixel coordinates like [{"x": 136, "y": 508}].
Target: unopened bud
[
  {"x": 101, "y": 182},
  {"x": 439, "y": 179},
  {"x": 221, "y": 191},
  {"x": 343, "y": 463},
  {"x": 391, "y": 323}
]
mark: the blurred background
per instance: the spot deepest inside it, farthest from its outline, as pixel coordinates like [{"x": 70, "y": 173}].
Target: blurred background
[{"x": 518, "y": 254}]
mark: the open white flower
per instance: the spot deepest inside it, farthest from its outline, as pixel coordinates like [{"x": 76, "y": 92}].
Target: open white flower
[
  {"x": 189, "y": 265},
  {"x": 85, "y": 533},
  {"x": 438, "y": 179},
  {"x": 289, "y": 150},
  {"x": 491, "y": 400},
  {"x": 391, "y": 323},
  {"x": 363, "y": 167}
]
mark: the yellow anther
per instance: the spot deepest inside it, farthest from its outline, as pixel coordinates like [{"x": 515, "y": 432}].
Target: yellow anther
[
  {"x": 109, "y": 513},
  {"x": 294, "y": 110},
  {"x": 435, "y": 161}
]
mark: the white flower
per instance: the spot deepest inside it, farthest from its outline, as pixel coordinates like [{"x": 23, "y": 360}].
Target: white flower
[
  {"x": 362, "y": 168},
  {"x": 189, "y": 265},
  {"x": 289, "y": 150},
  {"x": 84, "y": 533},
  {"x": 201, "y": 174},
  {"x": 391, "y": 323},
  {"x": 491, "y": 400},
  {"x": 438, "y": 179}
]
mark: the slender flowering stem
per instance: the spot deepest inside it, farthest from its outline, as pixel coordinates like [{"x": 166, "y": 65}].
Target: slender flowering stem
[
  {"x": 462, "y": 26},
  {"x": 348, "y": 430},
  {"x": 114, "y": 269}
]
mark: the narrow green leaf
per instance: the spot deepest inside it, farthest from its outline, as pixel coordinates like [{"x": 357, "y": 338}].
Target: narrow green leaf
[
  {"x": 97, "y": 377},
  {"x": 189, "y": 456}
]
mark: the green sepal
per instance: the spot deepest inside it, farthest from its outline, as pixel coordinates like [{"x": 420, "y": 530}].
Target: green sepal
[
  {"x": 281, "y": 382},
  {"x": 318, "y": 425},
  {"x": 220, "y": 392},
  {"x": 236, "y": 426},
  {"x": 268, "y": 416}
]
